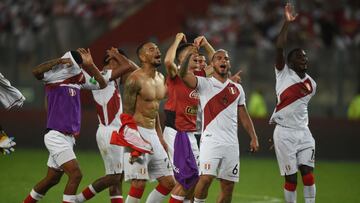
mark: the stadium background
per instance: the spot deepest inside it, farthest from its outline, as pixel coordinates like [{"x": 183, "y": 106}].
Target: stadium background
[{"x": 34, "y": 31}]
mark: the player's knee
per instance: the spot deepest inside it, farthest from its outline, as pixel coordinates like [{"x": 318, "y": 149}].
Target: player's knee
[
  {"x": 304, "y": 170},
  {"x": 308, "y": 179},
  {"x": 113, "y": 179},
  {"x": 54, "y": 181},
  {"x": 75, "y": 176},
  {"x": 291, "y": 178},
  {"x": 206, "y": 180},
  {"x": 227, "y": 187},
  {"x": 140, "y": 184}
]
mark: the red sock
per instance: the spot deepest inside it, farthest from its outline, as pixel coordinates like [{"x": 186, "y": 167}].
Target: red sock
[
  {"x": 116, "y": 199},
  {"x": 173, "y": 200},
  {"x": 88, "y": 194},
  {"x": 308, "y": 179},
  {"x": 66, "y": 202},
  {"x": 29, "y": 199},
  {"x": 163, "y": 190},
  {"x": 136, "y": 192},
  {"x": 290, "y": 186}
]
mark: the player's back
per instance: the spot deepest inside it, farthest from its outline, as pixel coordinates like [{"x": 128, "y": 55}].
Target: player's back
[{"x": 108, "y": 104}]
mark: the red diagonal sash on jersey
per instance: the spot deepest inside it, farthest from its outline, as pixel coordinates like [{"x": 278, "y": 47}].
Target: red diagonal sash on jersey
[
  {"x": 220, "y": 102},
  {"x": 113, "y": 106},
  {"x": 293, "y": 93}
]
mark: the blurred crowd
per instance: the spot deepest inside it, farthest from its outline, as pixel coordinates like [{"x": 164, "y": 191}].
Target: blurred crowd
[
  {"x": 320, "y": 23},
  {"x": 23, "y": 19}
]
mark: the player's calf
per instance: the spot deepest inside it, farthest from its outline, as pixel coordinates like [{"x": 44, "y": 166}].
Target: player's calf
[{"x": 309, "y": 184}]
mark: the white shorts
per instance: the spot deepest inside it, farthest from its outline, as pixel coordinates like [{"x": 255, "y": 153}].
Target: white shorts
[
  {"x": 112, "y": 155},
  {"x": 293, "y": 148},
  {"x": 169, "y": 137},
  {"x": 60, "y": 147},
  {"x": 220, "y": 160},
  {"x": 150, "y": 166}
]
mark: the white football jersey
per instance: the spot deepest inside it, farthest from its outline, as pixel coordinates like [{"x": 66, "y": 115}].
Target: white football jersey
[
  {"x": 293, "y": 95},
  {"x": 219, "y": 105},
  {"x": 108, "y": 103},
  {"x": 74, "y": 75}
]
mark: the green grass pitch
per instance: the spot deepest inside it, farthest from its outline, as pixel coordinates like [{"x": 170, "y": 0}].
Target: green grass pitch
[{"x": 260, "y": 182}]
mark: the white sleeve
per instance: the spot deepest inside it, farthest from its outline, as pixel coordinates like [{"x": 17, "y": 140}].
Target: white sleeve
[
  {"x": 242, "y": 100},
  {"x": 62, "y": 72},
  {"x": 282, "y": 73},
  {"x": 90, "y": 82},
  {"x": 202, "y": 84}
]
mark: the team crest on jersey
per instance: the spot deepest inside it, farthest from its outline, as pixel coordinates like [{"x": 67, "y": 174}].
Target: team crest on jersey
[
  {"x": 72, "y": 92},
  {"x": 194, "y": 94},
  {"x": 232, "y": 90}
]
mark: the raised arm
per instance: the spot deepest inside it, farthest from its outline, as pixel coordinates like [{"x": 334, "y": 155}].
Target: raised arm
[
  {"x": 247, "y": 123},
  {"x": 188, "y": 77},
  {"x": 125, "y": 64},
  {"x": 171, "y": 68},
  {"x": 39, "y": 70},
  {"x": 281, "y": 40},
  {"x": 90, "y": 67},
  {"x": 201, "y": 41},
  {"x": 131, "y": 90}
]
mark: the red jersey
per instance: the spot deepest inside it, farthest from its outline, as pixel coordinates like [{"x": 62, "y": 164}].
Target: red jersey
[
  {"x": 187, "y": 101},
  {"x": 169, "y": 107}
]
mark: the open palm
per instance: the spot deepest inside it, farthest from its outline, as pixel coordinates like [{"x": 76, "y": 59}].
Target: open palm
[{"x": 289, "y": 13}]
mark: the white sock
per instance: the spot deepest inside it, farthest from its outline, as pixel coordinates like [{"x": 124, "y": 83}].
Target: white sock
[
  {"x": 35, "y": 195},
  {"x": 80, "y": 198},
  {"x": 155, "y": 197},
  {"x": 130, "y": 199},
  {"x": 178, "y": 197},
  {"x": 69, "y": 198},
  {"x": 187, "y": 201},
  {"x": 290, "y": 196},
  {"x": 309, "y": 193},
  {"x": 196, "y": 200},
  {"x": 116, "y": 197}
]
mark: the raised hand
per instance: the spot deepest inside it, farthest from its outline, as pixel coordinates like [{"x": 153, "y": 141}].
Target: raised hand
[
  {"x": 112, "y": 53},
  {"x": 236, "y": 77},
  {"x": 289, "y": 12},
  {"x": 86, "y": 56},
  {"x": 200, "y": 41},
  {"x": 66, "y": 61},
  {"x": 181, "y": 37}
]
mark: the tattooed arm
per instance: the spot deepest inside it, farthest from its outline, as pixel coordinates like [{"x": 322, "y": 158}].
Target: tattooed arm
[{"x": 131, "y": 90}]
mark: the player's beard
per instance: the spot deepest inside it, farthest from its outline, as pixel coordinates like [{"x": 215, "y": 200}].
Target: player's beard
[
  {"x": 156, "y": 64},
  {"x": 222, "y": 74}
]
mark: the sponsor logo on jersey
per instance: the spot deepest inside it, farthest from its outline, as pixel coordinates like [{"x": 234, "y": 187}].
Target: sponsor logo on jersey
[
  {"x": 72, "y": 92},
  {"x": 194, "y": 94},
  {"x": 191, "y": 110}
]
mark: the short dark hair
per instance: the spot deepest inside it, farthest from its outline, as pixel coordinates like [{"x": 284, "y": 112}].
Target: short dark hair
[
  {"x": 181, "y": 48},
  {"x": 217, "y": 51},
  {"x": 121, "y": 51},
  {"x": 77, "y": 57},
  {"x": 139, "y": 48},
  {"x": 291, "y": 53}
]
